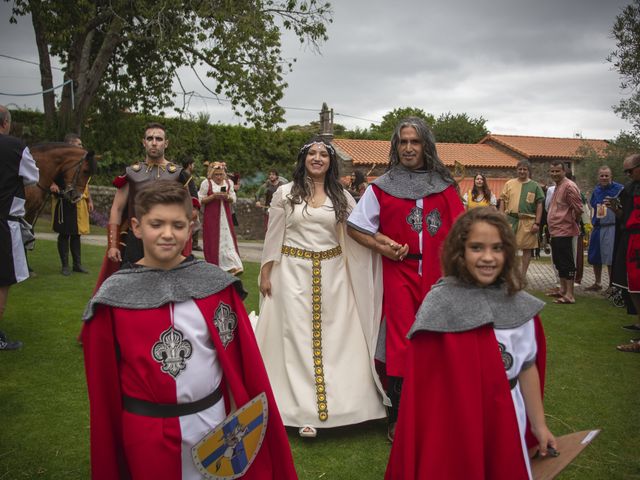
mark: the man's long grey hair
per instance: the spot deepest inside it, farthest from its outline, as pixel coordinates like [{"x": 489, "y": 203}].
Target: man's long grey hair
[{"x": 431, "y": 160}]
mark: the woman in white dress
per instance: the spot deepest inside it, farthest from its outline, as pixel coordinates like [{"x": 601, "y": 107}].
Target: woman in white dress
[
  {"x": 219, "y": 243},
  {"x": 321, "y": 304}
]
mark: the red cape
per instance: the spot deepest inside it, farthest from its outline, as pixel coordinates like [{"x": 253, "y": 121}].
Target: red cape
[
  {"x": 244, "y": 378},
  {"x": 457, "y": 419}
]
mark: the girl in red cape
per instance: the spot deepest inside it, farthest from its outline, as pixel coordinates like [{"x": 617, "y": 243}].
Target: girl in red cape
[{"x": 476, "y": 364}]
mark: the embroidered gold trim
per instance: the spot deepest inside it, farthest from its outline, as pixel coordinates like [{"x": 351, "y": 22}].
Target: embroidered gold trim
[{"x": 316, "y": 317}]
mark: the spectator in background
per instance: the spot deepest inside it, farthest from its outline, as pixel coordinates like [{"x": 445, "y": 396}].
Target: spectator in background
[
  {"x": 266, "y": 191},
  {"x": 70, "y": 220},
  {"x": 218, "y": 235},
  {"x": 235, "y": 178},
  {"x": 626, "y": 270},
  {"x": 154, "y": 167},
  {"x": 19, "y": 169},
  {"x": 604, "y": 226},
  {"x": 521, "y": 200},
  {"x": 358, "y": 185},
  {"x": 480, "y": 195},
  {"x": 189, "y": 166},
  {"x": 563, "y": 221}
]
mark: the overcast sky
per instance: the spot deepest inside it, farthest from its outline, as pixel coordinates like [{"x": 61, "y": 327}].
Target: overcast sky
[{"x": 528, "y": 67}]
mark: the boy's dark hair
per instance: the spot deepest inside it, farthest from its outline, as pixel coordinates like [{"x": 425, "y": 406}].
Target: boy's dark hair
[
  {"x": 453, "y": 262},
  {"x": 162, "y": 192}
]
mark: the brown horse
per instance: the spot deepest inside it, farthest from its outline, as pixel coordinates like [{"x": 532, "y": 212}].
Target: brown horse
[{"x": 74, "y": 165}]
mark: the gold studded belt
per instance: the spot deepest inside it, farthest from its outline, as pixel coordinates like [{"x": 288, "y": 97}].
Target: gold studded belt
[
  {"x": 316, "y": 318},
  {"x": 310, "y": 254}
]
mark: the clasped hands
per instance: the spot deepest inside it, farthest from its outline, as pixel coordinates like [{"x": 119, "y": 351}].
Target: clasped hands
[{"x": 390, "y": 248}]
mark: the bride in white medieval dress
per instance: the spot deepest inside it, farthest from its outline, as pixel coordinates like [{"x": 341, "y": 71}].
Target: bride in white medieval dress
[{"x": 321, "y": 302}]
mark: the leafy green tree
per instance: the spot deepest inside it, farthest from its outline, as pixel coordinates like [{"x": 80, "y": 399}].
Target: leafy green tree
[
  {"x": 626, "y": 60},
  {"x": 618, "y": 149},
  {"x": 385, "y": 129},
  {"x": 447, "y": 128},
  {"x": 123, "y": 55},
  {"x": 459, "y": 128}
]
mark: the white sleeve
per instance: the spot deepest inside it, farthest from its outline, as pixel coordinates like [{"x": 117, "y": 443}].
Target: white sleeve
[
  {"x": 494, "y": 200},
  {"x": 204, "y": 188},
  {"x": 231, "y": 191},
  {"x": 271, "y": 250},
  {"x": 28, "y": 168},
  {"x": 465, "y": 199},
  {"x": 365, "y": 217}
]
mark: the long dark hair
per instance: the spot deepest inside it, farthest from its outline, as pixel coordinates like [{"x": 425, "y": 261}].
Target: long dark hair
[
  {"x": 430, "y": 160},
  {"x": 453, "y": 262},
  {"x": 486, "y": 191},
  {"x": 302, "y": 188}
]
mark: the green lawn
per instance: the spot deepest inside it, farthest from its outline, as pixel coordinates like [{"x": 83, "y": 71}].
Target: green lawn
[{"x": 44, "y": 429}]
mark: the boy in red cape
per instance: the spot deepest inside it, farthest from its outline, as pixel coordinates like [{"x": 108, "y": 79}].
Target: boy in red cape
[
  {"x": 476, "y": 358},
  {"x": 169, "y": 353}
]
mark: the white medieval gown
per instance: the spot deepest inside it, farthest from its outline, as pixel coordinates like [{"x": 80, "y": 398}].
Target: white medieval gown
[{"x": 322, "y": 375}]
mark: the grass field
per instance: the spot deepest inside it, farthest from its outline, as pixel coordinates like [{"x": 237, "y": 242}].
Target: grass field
[{"x": 44, "y": 428}]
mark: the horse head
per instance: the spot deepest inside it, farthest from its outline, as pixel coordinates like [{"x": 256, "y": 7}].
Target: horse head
[
  {"x": 76, "y": 175},
  {"x": 62, "y": 163}
]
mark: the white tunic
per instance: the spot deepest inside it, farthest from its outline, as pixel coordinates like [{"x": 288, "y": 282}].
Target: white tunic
[{"x": 520, "y": 346}]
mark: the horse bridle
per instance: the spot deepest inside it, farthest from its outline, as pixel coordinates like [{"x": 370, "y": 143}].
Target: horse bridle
[{"x": 70, "y": 186}]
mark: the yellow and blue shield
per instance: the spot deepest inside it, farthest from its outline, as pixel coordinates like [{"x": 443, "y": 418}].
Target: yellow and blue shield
[{"x": 228, "y": 451}]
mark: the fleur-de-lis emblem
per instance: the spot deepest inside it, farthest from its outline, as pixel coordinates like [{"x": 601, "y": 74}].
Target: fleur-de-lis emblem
[
  {"x": 226, "y": 322},
  {"x": 434, "y": 222},
  {"x": 415, "y": 219},
  {"x": 507, "y": 358},
  {"x": 172, "y": 351}
]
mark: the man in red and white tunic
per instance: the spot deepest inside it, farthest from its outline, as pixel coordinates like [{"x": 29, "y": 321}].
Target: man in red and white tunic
[{"x": 405, "y": 215}]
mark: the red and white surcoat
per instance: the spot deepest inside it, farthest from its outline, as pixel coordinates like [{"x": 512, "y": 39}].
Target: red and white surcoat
[
  {"x": 423, "y": 224},
  {"x": 122, "y": 359}
]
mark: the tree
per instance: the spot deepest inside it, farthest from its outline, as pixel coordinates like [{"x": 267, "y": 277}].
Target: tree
[
  {"x": 459, "y": 128},
  {"x": 124, "y": 54},
  {"x": 391, "y": 119},
  {"x": 626, "y": 60},
  {"x": 447, "y": 128}
]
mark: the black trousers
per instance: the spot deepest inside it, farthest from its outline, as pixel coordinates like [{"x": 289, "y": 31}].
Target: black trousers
[{"x": 66, "y": 242}]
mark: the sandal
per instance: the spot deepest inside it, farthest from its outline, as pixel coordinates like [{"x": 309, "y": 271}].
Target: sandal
[
  {"x": 563, "y": 301},
  {"x": 629, "y": 347},
  {"x": 593, "y": 288},
  {"x": 307, "y": 431}
]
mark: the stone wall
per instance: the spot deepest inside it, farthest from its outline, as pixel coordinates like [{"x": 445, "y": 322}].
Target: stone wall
[{"x": 250, "y": 217}]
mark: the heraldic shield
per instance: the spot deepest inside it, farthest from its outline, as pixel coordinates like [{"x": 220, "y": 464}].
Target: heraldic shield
[{"x": 228, "y": 451}]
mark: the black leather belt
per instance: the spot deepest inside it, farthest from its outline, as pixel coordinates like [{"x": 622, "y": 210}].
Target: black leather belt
[
  {"x": 165, "y": 410},
  {"x": 414, "y": 256}
]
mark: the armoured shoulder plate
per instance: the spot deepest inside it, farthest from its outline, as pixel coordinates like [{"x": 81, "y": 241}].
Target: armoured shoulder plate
[{"x": 144, "y": 172}]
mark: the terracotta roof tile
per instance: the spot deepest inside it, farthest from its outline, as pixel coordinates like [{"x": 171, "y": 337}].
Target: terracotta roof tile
[
  {"x": 376, "y": 152},
  {"x": 547, "y": 147},
  {"x": 474, "y": 155},
  {"x": 364, "y": 152}
]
